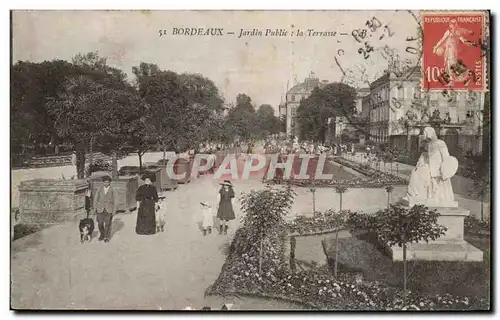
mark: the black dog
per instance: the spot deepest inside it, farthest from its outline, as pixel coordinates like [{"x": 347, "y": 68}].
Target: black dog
[{"x": 86, "y": 229}]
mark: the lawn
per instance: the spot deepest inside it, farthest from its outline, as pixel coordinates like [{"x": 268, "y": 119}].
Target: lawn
[{"x": 358, "y": 255}]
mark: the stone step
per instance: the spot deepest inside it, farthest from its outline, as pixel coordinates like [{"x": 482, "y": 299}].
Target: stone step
[{"x": 438, "y": 251}]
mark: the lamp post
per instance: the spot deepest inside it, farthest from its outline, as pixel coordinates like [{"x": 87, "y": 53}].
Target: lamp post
[{"x": 341, "y": 123}]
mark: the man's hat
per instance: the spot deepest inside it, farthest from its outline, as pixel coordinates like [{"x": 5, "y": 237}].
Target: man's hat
[{"x": 106, "y": 178}]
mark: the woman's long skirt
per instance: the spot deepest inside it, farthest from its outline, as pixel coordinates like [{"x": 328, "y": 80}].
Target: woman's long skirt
[
  {"x": 225, "y": 211},
  {"x": 146, "y": 219}
]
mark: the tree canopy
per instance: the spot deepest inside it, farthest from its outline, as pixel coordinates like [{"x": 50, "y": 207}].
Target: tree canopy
[
  {"x": 333, "y": 100},
  {"x": 86, "y": 101}
]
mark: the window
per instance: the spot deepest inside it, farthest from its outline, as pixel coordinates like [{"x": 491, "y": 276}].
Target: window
[
  {"x": 416, "y": 93},
  {"x": 292, "y": 97},
  {"x": 401, "y": 93}
]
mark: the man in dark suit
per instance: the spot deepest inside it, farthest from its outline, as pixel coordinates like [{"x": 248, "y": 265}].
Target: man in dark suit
[{"x": 105, "y": 207}]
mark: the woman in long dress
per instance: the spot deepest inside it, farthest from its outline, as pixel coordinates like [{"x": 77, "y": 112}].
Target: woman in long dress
[
  {"x": 147, "y": 198},
  {"x": 225, "y": 211}
]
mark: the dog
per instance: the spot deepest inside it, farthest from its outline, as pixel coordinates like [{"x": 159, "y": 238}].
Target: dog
[{"x": 86, "y": 228}]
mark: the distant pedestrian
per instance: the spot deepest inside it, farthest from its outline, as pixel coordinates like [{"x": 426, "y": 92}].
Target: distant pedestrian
[
  {"x": 207, "y": 219},
  {"x": 147, "y": 199},
  {"x": 105, "y": 203},
  {"x": 225, "y": 211}
]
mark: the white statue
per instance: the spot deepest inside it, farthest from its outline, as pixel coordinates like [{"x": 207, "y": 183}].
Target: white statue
[{"x": 430, "y": 182}]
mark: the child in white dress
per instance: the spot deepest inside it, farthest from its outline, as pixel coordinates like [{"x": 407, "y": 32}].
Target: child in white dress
[
  {"x": 160, "y": 214},
  {"x": 207, "y": 219}
]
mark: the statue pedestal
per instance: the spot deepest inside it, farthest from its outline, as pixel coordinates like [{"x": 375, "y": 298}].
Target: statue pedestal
[{"x": 449, "y": 247}]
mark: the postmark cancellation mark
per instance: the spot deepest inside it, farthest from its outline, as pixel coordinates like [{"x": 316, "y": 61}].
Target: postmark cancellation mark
[{"x": 454, "y": 51}]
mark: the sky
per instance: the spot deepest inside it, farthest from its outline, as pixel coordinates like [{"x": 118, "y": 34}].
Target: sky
[{"x": 260, "y": 66}]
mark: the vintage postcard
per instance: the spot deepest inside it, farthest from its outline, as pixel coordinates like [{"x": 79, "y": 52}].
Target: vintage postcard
[{"x": 250, "y": 160}]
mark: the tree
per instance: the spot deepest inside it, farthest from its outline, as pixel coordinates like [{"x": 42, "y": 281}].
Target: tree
[
  {"x": 91, "y": 104},
  {"x": 333, "y": 100},
  {"x": 399, "y": 225},
  {"x": 266, "y": 122},
  {"x": 242, "y": 118},
  {"x": 32, "y": 85},
  {"x": 265, "y": 210},
  {"x": 478, "y": 168},
  {"x": 312, "y": 188},
  {"x": 340, "y": 220},
  {"x": 76, "y": 118},
  {"x": 123, "y": 121},
  {"x": 185, "y": 109},
  {"x": 113, "y": 83}
]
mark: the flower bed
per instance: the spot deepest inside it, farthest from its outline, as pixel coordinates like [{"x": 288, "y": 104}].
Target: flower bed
[
  {"x": 370, "y": 172},
  {"x": 315, "y": 288},
  {"x": 375, "y": 179},
  {"x": 319, "y": 223},
  {"x": 373, "y": 182},
  {"x": 473, "y": 225}
]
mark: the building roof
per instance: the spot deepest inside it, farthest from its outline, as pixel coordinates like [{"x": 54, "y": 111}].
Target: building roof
[
  {"x": 412, "y": 74},
  {"x": 308, "y": 85}
]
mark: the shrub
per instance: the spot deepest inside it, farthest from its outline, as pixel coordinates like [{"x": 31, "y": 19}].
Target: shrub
[{"x": 98, "y": 165}]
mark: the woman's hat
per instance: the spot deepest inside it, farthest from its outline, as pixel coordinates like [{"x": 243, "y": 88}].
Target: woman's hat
[
  {"x": 226, "y": 183},
  {"x": 148, "y": 175}
]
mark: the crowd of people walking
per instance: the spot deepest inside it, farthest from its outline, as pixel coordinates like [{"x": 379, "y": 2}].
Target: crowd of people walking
[
  {"x": 152, "y": 208},
  {"x": 307, "y": 147}
]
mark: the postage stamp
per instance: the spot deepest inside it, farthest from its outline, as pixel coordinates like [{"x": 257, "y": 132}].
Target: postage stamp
[{"x": 453, "y": 51}]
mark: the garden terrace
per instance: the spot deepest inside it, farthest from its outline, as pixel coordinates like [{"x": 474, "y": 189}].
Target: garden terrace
[
  {"x": 347, "y": 174},
  {"x": 367, "y": 279}
]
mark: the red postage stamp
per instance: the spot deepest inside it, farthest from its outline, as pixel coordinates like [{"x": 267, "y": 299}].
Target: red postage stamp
[{"x": 454, "y": 51}]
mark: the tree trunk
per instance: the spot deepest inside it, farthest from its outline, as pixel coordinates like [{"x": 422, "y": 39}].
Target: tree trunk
[
  {"x": 140, "y": 160},
  {"x": 314, "y": 202},
  {"x": 336, "y": 264},
  {"x": 482, "y": 207},
  {"x": 340, "y": 202},
  {"x": 405, "y": 274},
  {"x": 388, "y": 200},
  {"x": 408, "y": 139},
  {"x": 260, "y": 252},
  {"x": 114, "y": 165},
  {"x": 80, "y": 160},
  {"x": 91, "y": 150}
]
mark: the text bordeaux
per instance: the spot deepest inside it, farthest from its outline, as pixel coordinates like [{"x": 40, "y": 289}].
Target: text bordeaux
[{"x": 198, "y": 31}]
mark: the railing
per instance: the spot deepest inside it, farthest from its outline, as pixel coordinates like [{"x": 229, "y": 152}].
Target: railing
[{"x": 65, "y": 160}]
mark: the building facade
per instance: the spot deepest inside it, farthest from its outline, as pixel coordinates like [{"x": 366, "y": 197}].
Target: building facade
[
  {"x": 362, "y": 93},
  {"x": 294, "y": 96},
  {"x": 395, "y": 106}
]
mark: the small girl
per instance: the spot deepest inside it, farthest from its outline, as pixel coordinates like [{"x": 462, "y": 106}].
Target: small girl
[
  {"x": 206, "y": 217},
  {"x": 160, "y": 214}
]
